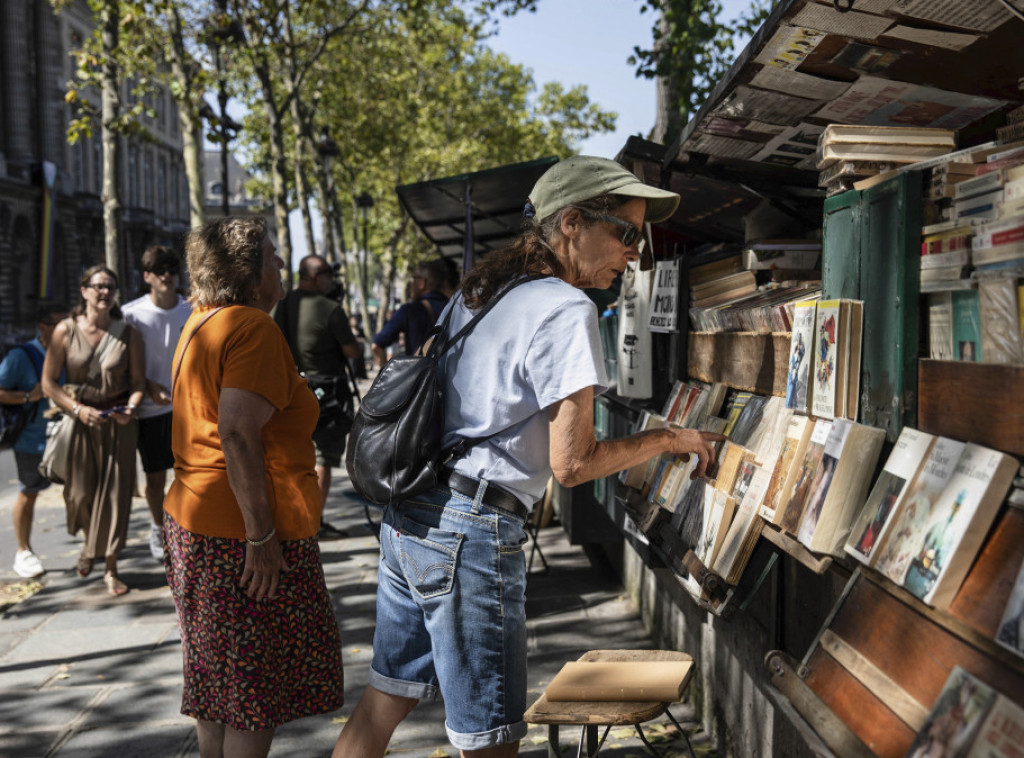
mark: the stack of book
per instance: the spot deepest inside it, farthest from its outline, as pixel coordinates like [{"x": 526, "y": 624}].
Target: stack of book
[
  {"x": 846, "y": 174},
  {"x": 946, "y": 256},
  {"x": 889, "y": 144},
  {"x": 1014, "y": 129}
]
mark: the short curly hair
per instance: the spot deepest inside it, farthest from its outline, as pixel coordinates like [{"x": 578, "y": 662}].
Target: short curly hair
[{"x": 225, "y": 260}]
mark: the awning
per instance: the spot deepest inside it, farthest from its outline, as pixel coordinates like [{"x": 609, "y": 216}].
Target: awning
[{"x": 488, "y": 204}]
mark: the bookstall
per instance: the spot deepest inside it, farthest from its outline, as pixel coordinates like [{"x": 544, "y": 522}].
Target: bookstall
[{"x": 804, "y": 242}]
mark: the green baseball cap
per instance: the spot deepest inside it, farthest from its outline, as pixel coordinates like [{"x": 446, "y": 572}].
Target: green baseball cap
[{"x": 582, "y": 177}]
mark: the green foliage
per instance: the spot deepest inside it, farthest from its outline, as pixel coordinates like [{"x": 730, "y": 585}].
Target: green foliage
[{"x": 693, "y": 48}]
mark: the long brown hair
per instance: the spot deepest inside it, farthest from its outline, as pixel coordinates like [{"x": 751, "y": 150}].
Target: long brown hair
[
  {"x": 531, "y": 252},
  {"x": 99, "y": 268}
]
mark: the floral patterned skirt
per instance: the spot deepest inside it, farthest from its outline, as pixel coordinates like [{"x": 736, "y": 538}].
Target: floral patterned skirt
[{"x": 252, "y": 664}]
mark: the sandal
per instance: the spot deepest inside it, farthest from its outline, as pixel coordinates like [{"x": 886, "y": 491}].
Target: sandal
[
  {"x": 114, "y": 584},
  {"x": 84, "y": 566}
]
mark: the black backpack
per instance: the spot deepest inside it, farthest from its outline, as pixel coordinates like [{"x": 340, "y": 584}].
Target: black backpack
[
  {"x": 14, "y": 418},
  {"x": 394, "y": 449}
]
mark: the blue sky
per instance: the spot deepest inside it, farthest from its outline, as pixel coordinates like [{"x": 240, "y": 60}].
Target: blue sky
[{"x": 582, "y": 42}]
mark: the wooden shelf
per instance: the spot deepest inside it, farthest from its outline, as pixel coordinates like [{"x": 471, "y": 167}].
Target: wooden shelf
[
  {"x": 743, "y": 360},
  {"x": 979, "y": 402},
  {"x": 819, "y": 564}
]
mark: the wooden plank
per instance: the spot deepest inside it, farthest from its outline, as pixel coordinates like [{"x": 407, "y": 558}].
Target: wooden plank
[
  {"x": 909, "y": 711},
  {"x": 890, "y": 240},
  {"x": 964, "y": 401},
  {"x": 981, "y": 601},
  {"x": 819, "y": 564},
  {"x": 822, "y": 720},
  {"x": 743, "y": 360},
  {"x": 856, "y": 706}
]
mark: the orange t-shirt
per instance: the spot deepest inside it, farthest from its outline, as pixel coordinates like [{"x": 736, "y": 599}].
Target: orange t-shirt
[{"x": 243, "y": 348}]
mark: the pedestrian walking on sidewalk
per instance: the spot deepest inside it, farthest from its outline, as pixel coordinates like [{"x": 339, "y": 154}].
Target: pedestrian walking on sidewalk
[
  {"x": 451, "y": 618},
  {"x": 21, "y": 384},
  {"x": 159, "y": 315},
  {"x": 259, "y": 638},
  {"x": 103, "y": 362}
]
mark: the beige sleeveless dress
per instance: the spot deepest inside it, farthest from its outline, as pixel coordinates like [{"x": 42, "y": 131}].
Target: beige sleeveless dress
[{"x": 101, "y": 469}]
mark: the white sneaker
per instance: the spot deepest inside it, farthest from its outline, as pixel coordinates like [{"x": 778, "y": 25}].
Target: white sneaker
[
  {"x": 156, "y": 541},
  {"x": 27, "y": 565}
]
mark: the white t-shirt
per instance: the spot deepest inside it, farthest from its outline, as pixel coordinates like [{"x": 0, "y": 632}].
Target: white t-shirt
[
  {"x": 160, "y": 330},
  {"x": 537, "y": 346}
]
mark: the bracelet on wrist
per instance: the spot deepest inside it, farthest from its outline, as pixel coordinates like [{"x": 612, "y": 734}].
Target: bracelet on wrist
[
  {"x": 28, "y": 395},
  {"x": 265, "y": 540},
  {"x": 75, "y": 409}
]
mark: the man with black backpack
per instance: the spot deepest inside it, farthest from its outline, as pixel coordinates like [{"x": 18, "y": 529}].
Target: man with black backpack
[
  {"x": 24, "y": 428},
  {"x": 415, "y": 319},
  {"x": 318, "y": 333}
]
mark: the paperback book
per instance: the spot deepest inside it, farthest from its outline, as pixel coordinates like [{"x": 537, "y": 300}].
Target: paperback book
[
  {"x": 798, "y": 435},
  {"x": 742, "y": 536},
  {"x": 801, "y": 356},
  {"x": 956, "y": 718},
  {"x": 895, "y": 480},
  {"x": 957, "y": 524},
  {"x": 911, "y": 515},
  {"x": 1011, "y": 627},
  {"x": 798, "y": 486}
]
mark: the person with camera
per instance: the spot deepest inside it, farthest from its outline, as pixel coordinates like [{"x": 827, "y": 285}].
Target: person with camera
[{"x": 318, "y": 333}]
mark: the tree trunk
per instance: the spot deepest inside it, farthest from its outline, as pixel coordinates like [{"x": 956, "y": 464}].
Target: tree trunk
[
  {"x": 188, "y": 120},
  {"x": 303, "y": 142},
  {"x": 278, "y": 168},
  {"x": 111, "y": 109}
]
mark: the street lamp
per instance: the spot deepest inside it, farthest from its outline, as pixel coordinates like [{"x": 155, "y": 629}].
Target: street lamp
[
  {"x": 364, "y": 203},
  {"x": 333, "y": 229}
]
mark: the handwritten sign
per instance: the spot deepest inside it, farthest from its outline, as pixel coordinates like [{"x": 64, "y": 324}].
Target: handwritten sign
[{"x": 665, "y": 298}]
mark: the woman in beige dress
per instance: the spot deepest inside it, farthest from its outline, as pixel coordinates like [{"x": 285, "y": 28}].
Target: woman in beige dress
[{"x": 105, "y": 378}]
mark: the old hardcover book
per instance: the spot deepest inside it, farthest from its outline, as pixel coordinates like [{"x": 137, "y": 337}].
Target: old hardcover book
[
  {"x": 966, "y": 326},
  {"x": 1000, "y": 319},
  {"x": 854, "y": 319},
  {"x": 959, "y": 520},
  {"x": 848, "y": 464},
  {"x": 940, "y": 325},
  {"x": 745, "y": 528},
  {"x": 877, "y": 152},
  {"x": 888, "y": 135},
  {"x": 907, "y": 457},
  {"x": 797, "y": 489},
  {"x": 910, "y": 518},
  {"x": 620, "y": 681},
  {"x": 1010, "y": 633},
  {"x": 730, "y": 460},
  {"x": 828, "y": 384},
  {"x": 955, "y": 719},
  {"x": 794, "y": 444},
  {"x": 801, "y": 356}
]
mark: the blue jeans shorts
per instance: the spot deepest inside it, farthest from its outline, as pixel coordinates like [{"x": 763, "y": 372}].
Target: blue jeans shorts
[{"x": 451, "y": 614}]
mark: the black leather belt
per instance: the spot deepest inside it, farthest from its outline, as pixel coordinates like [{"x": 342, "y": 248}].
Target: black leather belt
[{"x": 494, "y": 495}]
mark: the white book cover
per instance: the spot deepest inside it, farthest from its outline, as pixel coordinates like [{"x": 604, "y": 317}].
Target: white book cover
[
  {"x": 743, "y": 521},
  {"x": 907, "y": 456},
  {"x": 959, "y": 520},
  {"x": 825, "y": 380},
  {"x": 1000, "y": 732},
  {"x": 801, "y": 356},
  {"x": 834, "y": 444},
  {"x": 910, "y": 519}
]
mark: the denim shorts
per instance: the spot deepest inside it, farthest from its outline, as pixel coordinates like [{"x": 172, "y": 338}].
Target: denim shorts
[
  {"x": 451, "y": 614},
  {"x": 30, "y": 479}
]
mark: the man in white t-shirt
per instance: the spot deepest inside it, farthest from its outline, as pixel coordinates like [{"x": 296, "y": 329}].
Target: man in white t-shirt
[{"x": 159, "y": 316}]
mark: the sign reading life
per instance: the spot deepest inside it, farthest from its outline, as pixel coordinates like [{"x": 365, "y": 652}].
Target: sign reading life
[{"x": 664, "y": 317}]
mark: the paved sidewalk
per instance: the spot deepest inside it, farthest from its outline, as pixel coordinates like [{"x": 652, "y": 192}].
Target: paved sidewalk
[{"x": 83, "y": 674}]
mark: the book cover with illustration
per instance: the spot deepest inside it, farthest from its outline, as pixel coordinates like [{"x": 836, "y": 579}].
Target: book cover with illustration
[
  {"x": 801, "y": 356},
  {"x": 835, "y": 504},
  {"x": 907, "y": 456},
  {"x": 910, "y": 518},
  {"x": 802, "y": 477},
  {"x": 742, "y": 536},
  {"x": 959, "y": 520},
  {"x": 1010, "y": 633},
  {"x": 798, "y": 435},
  {"x": 719, "y": 507},
  {"x": 829, "y": 367},
  {"x": 1001, "y": 732},
  {"x": 955, "y": 719}
]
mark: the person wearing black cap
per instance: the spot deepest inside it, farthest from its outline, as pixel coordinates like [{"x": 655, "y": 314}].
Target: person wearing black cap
[{"x": 451, "y": 616}]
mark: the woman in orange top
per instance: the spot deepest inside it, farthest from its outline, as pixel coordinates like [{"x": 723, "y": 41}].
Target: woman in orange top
[{"x": 260, "y": 642}]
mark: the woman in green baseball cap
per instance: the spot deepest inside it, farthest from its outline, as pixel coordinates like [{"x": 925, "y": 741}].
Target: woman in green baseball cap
[{"x": 520, "y": 390}]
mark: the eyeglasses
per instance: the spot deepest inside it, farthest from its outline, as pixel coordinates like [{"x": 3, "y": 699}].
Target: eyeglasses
[
  {"x": 172, "y": 270},
  {"x": 102, "y": 287},
  {"x": 630, "y": 234}
]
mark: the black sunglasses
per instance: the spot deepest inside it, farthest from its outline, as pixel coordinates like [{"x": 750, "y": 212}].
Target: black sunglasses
[
  {"x": 630, "y": 234},
  {"x": 172, "y": 270}
]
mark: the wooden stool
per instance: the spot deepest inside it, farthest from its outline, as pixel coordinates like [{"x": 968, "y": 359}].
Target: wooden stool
[{"x": 590, "y": 715}]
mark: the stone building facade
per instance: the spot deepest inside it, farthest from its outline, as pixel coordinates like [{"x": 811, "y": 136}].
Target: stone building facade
[{"x": 35, "y": 67}]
